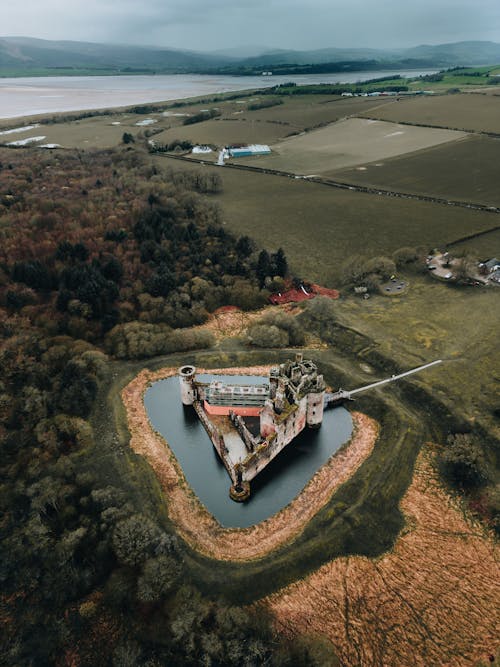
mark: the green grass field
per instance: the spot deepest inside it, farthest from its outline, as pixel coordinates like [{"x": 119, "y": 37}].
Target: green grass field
[
  {"x": 483, "y": 247},
  {"x": 319, "y": 227}
]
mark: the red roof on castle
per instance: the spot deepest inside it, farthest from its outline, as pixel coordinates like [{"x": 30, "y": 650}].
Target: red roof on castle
[{"x": 302, "y": 293}]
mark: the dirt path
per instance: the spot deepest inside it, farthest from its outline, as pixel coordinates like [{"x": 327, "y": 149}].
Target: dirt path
[
  {"x": 194, "y": 523},
  {"x": 433, "y": 600}
]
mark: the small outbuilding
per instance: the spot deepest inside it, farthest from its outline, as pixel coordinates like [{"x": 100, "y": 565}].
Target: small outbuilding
[
  {"x": 248, "y": 151},
  {"x": 492, "y": 265}
]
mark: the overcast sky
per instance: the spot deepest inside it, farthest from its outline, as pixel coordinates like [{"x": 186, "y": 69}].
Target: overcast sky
[{"x": 211, "y": 24}]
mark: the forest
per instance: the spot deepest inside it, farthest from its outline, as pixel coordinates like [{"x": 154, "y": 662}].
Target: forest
[
  {"x": 108, "y": 260},
  {"x": 102, "y": 255}
]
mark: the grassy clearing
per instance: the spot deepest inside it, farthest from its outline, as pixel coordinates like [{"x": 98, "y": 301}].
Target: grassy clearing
[
  {"x": 441, "y": 322},
  {"x": 319, "y": 227},
  {"x": 349, "y": 142},
  {"x": 466, "y": 170},
  {"x": 472, "y": 112}
]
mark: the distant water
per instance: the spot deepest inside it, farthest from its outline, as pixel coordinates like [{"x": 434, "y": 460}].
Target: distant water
[
  {"x": 28, "y": 96},
  {"x": 273, "y": 488}
]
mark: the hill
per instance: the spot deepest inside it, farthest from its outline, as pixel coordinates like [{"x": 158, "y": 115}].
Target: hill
[{"x": 29, "y": 56}]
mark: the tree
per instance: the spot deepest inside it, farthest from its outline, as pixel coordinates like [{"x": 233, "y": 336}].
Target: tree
[
  {"x": 381, "y": 266},
  {"x": 464, "y": 269},
  {"x": 159, "y": 577},
  {"x": 462, "y": 462},
  {"x": 128, "y": 138},
  {"x": 244, "y": 246},
  {"x": 134, "y": 540},
  {"x": 279, "y": 263},
  {"x": 78, "y": 390},
  {"x": 319, "y": 316},
  {"x": 263, "y": 267},
  {"x": 161, "y": 282},
  {"x": 406, "y": 255}
]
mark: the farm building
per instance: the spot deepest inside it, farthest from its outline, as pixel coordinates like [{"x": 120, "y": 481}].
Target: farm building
[{"x": 252, "y": 149}]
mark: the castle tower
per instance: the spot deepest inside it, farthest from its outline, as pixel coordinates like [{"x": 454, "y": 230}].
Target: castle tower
[
  {"x": 315, "y": 403},
  {"x": 187, "y": 383}
]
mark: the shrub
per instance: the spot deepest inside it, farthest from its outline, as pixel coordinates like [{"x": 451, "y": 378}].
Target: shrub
[
  {"x": 462, "y": 462},
  {"x": 276, "y": 329},
  {"x": 139, "y": 340},
  {"x": 265, "y": 104},
  {"x": 319, "y": 316},
  {"x": 264, "y": 335},
  {"x": 200, "y": 117}
]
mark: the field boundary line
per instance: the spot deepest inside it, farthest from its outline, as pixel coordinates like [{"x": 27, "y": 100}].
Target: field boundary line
[
  {"x": 342, "y": 185},
  {"x": 469, "y": 237},
  {"x": 484, "y": 133}
]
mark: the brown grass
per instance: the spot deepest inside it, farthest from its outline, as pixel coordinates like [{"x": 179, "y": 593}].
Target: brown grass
[
  {"x": 466, "y": 170},
  {"x": 194, "y": 523},
  {"x": 433, "y": 600},
  {"x": 462, "y": 111},
  {"x": 349, "y": 142}
]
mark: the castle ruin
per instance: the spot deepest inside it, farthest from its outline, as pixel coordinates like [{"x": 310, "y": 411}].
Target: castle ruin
[{"x": 291, "y": 399}]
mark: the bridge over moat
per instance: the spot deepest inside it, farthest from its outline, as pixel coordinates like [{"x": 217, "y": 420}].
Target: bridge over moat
[{"x": 338, "y": 397}]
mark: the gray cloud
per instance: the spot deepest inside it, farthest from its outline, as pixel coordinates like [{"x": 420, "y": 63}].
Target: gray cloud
[{"x": 299, "y": 24}]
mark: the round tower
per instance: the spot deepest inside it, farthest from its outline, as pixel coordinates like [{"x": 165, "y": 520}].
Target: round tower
[
  {"x": 315, "y": 403},
  {"x": 187, "y": 382},
  {"x": 314, "y": 415}
]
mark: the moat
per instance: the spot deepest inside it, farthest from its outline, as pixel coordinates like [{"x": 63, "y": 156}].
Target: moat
[{"x": 274, "y": 488}]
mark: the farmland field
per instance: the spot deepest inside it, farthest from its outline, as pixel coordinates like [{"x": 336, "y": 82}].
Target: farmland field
[
  {"x": 464, "y": 170},
  {"x": 482, "y": 247},
  {"x": 349, "y": 142},
  {"x": 237, "y": 123},
  {"x": 467, "y": 111},
  {"x": 240, "y": 125},
  {"x": 319, "y": 227}
]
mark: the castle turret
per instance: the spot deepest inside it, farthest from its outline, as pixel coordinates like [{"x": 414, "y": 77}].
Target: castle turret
[
  {"x": 273, "y": 381},
  {"x": 315, "y": 403},
  {"x": 187, "y": 382}
]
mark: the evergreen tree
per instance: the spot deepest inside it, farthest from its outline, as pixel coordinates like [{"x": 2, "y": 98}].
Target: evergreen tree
[
  {"x": 263, "y": 267},
  {"x": 280, "y": 264}
]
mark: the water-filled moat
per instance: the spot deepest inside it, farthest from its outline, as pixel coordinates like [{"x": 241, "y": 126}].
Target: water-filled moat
[{"x": 275, "y": 486}]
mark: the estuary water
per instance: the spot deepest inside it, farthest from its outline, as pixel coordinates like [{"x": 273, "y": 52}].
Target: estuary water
[
  {"x": 29, "y": 96},
  {"x": 273, "y": 488}
]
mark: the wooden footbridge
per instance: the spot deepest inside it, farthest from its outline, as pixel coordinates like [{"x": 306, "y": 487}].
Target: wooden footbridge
[{"x": 338, "y": 397}]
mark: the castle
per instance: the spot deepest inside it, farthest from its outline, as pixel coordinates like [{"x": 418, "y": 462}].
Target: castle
[{"x": 291, "y": 399}]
